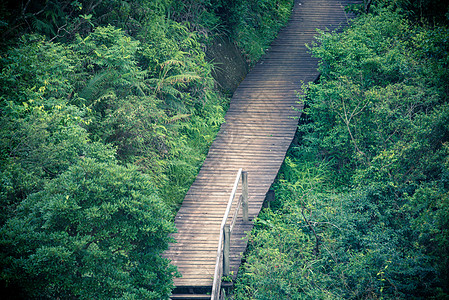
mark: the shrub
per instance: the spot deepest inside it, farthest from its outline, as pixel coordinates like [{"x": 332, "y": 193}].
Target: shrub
[{"x": 98, "y": 229}]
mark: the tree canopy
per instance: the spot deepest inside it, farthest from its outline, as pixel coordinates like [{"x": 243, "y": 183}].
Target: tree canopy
[
  {"x": 362, "y": 201},
  {"x": 107, "y": 111}
]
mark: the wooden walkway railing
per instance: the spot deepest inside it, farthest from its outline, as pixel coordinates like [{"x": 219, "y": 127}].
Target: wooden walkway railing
[
  {"x": 222, "y": 264},
  {"x": 260, "y": 125}
]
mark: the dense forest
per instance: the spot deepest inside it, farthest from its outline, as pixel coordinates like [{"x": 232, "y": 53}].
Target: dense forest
[
  {"x": 107, "y": 111},
  {"x": 362, "y": 200}
]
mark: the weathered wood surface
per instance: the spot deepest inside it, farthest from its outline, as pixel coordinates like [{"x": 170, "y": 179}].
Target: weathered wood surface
[{"x": 260, "y": 125}]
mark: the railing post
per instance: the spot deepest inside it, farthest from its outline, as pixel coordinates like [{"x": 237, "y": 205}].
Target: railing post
[
  {"x": 226, "y": 250},
  {"x": 245, "y": 196}
]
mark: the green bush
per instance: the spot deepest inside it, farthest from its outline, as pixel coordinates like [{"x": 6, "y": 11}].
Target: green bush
[
  {"x": 256, "y": 23},
  {"x": 98, "y": 229},
  {"x": 366, "y": 190}
]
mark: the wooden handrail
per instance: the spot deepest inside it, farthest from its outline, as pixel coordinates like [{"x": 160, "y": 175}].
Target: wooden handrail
[{"x": 221, "y": 260}]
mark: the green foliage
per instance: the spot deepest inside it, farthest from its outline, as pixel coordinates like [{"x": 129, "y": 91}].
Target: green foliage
[
  {"x": 358, "y": 244},
  {"x": 275, "y": 267},
  {"x": 426, "y": 11},
  {"x": 42, "y": 146},
  {"x": 63, "y": 104},
  {"x": 107, "y": 111},
  {"x": 97, "y": 229},
  {"x": 199, "y": 15},
  {"x": 381, "y": 86},
  {"x": 41, "y": 134},
  {"x": 63, "y": 19},
  {"x": 255, "y": 24},
  {"x": 37, "y": 73},
  {"x": 366, "y": 191},
  {"x": 251, "y": 24},
  {"x": 282, "y": 254}
]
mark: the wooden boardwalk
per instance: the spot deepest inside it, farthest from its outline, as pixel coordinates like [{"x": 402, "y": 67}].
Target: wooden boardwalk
[{"x": 259, "y": 128}]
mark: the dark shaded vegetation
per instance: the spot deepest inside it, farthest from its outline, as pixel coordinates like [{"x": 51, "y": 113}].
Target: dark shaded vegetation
[
  {"x": 362, "y": 201},
  {"x": 107, "y": 111}
]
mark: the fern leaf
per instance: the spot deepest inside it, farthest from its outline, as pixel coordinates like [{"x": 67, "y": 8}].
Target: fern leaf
[
  {"x": 169, "y": 90},
  {"x": 171, "y": 62},
  {"x": 177, "y": 118},
  {"x": 182, "y": 78}
]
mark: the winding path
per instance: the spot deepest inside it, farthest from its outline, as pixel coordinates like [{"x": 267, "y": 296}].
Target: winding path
[{"x": 259, "y": 128}]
